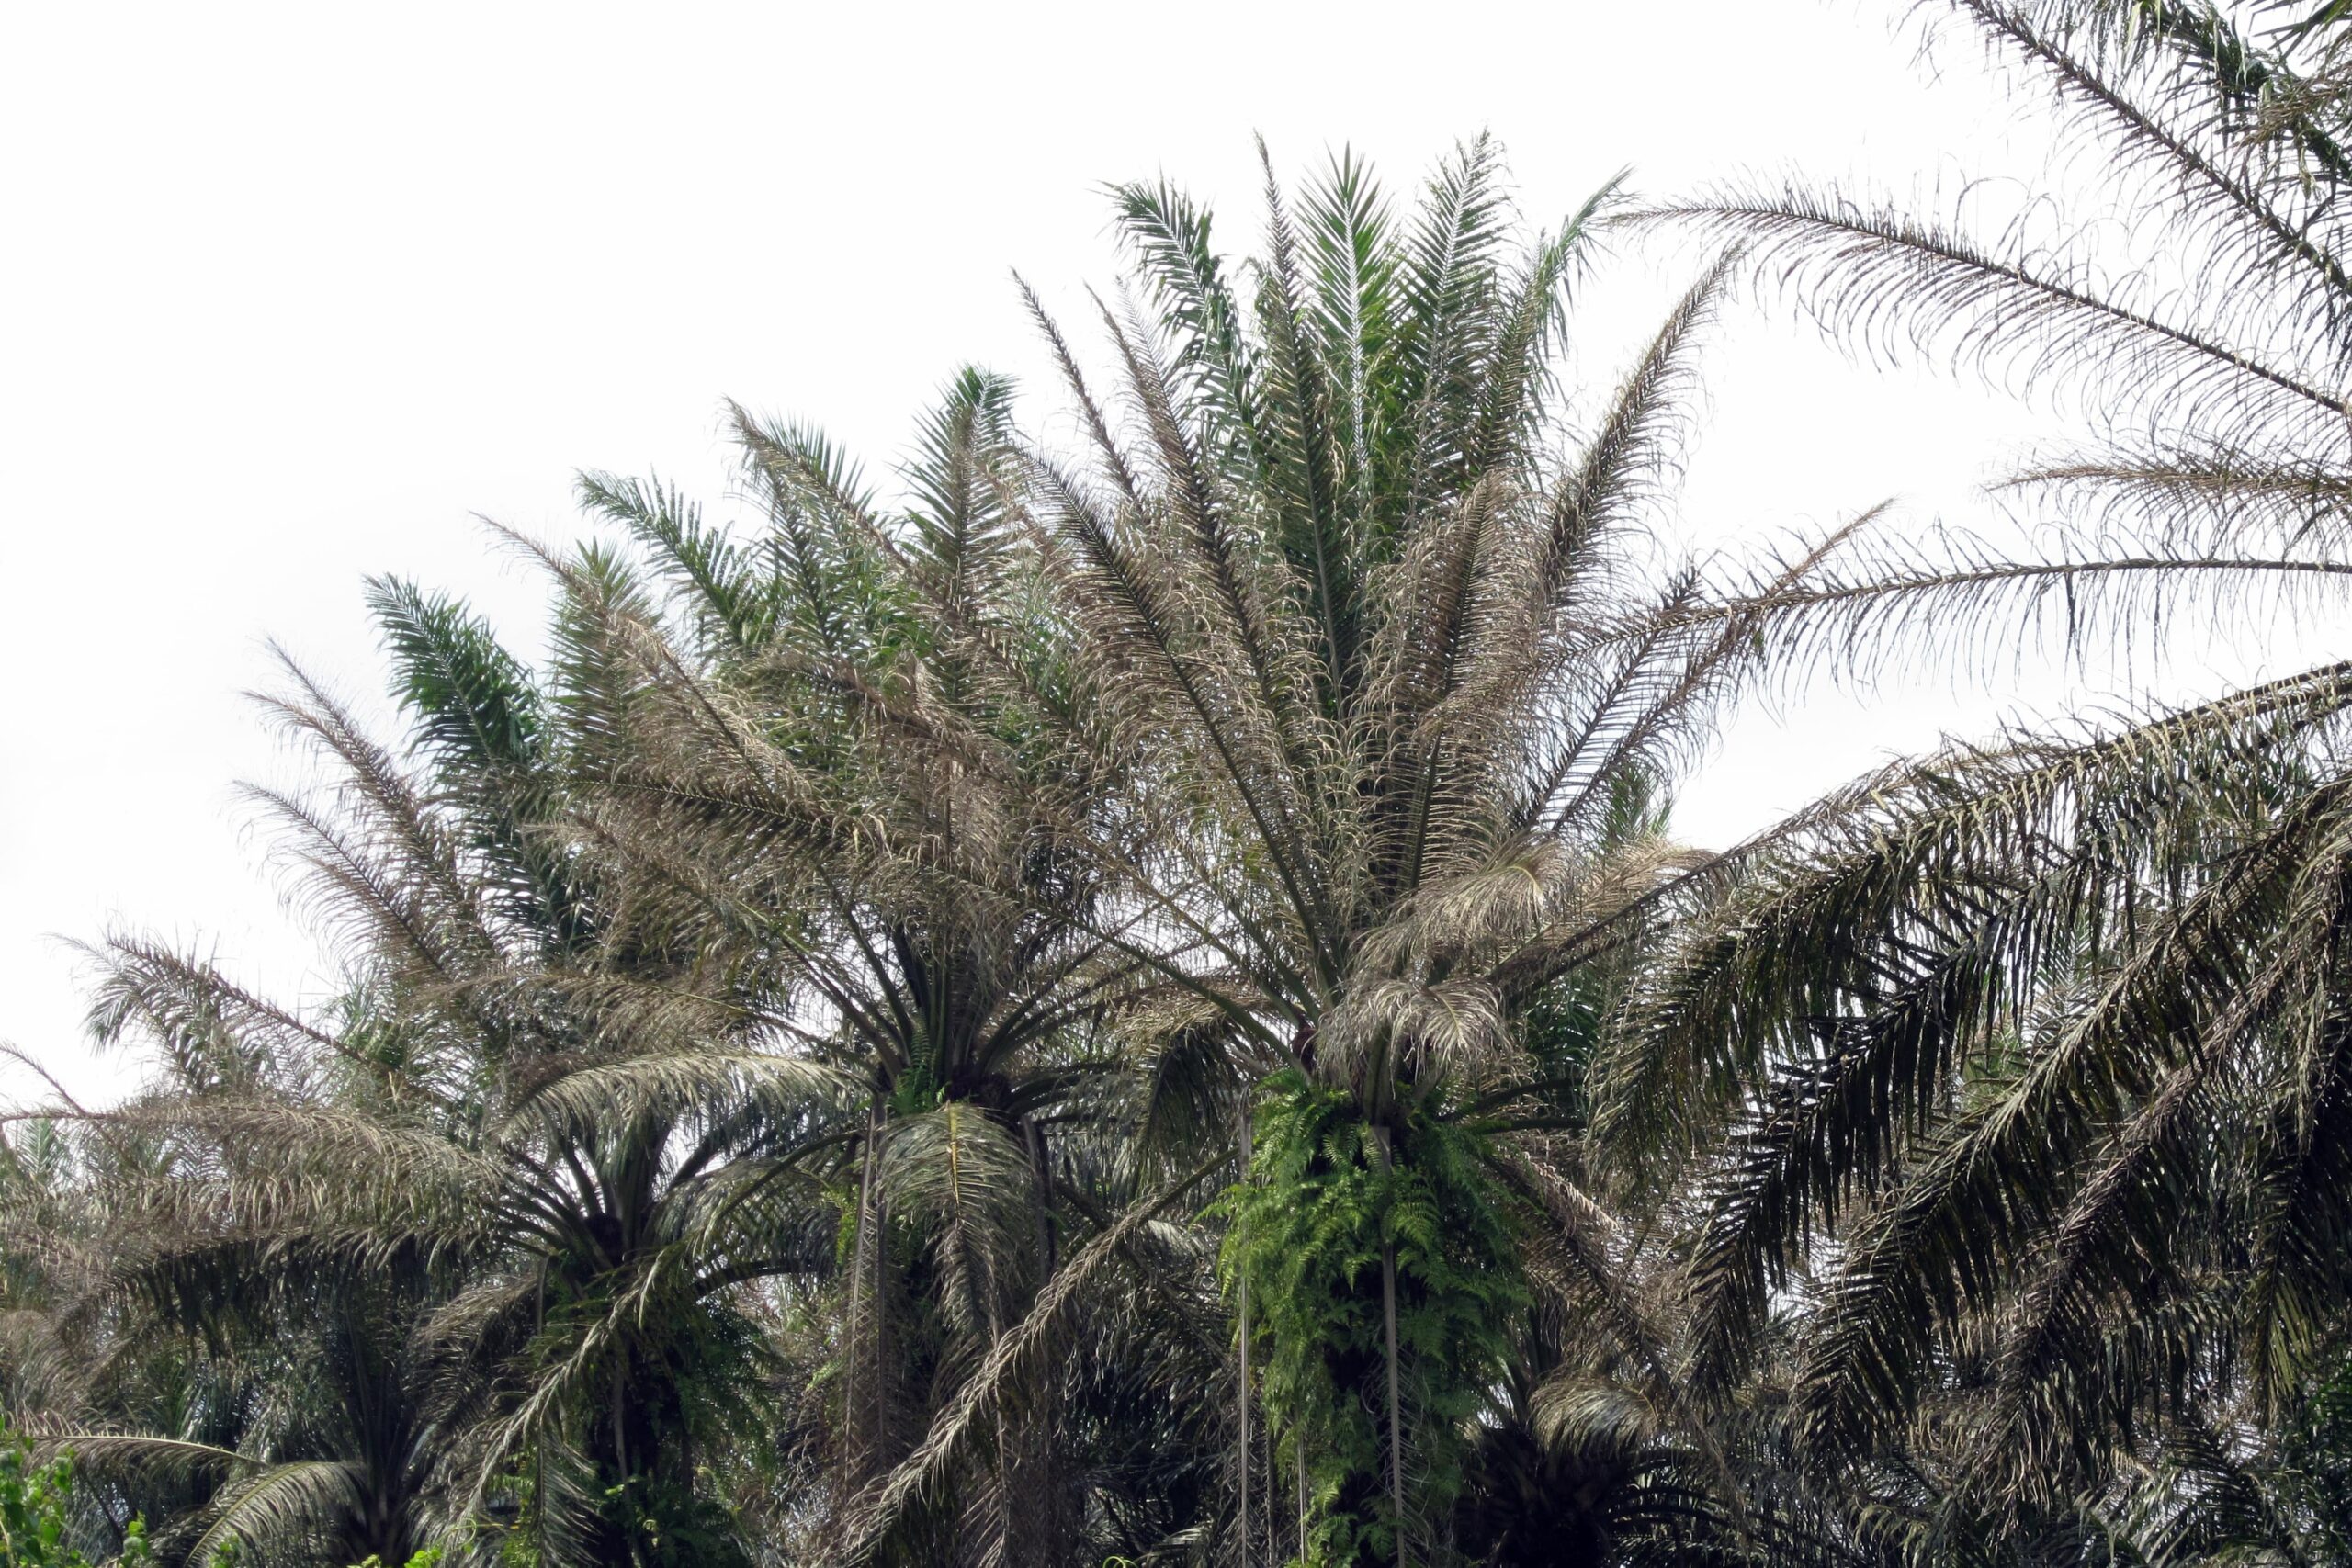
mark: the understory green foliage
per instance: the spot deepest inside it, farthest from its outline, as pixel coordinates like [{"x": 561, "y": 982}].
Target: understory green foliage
[
  {"x": 35, "y": 1512},
  {"x": 425, "y": 1557},
  {"x": 2317, "y": 1450},
  {"x": 1306, "y": 1232}
]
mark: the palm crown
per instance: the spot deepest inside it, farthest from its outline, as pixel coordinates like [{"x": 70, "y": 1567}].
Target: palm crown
[
  {"x": 2048, "y": 1029},
  {"x": 1399, "y": 680}
]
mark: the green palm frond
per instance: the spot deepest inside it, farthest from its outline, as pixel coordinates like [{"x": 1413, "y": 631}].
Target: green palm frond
[
  {"x": 2004, "y": 1089},
  {"x": 287, "y": 1512}
]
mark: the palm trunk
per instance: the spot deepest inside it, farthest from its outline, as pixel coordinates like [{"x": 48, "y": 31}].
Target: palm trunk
[
  {"x": 1302, "y": 1494},
  {"x": 1266, "y": 1480},
  {"x": 1010, "y": 1482},
  {"x": 879, "y": 1307},
  {"x": 1042, "y": 1174},
  {"x": 1242, "y": 1390},
  {"x": 631, "y": 1499},
  {"x": 1396, "y": 1405},
  {"x": 878, "y": 1303},
  {"x": 849, "y": 1412}
]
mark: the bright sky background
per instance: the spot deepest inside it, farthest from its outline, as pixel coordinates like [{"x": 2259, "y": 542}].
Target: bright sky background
[{"x": 289, "y": 294}]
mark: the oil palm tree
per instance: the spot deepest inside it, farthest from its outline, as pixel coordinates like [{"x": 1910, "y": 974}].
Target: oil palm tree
[
  {"x": 326, "y": 1458},
  {"x": 1392, "y": 680},
  {"x": 657, "y": 1149},
  {"x": 83, "y": 1363},
  {"x": 247, "y": 1394},
  {"x": 595, "y": 1185},
  {"x": 848, "y": 768},
  {"x": 2029, "y": 1056}
]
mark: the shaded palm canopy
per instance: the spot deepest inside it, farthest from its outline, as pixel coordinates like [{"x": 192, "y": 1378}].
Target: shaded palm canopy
[
  {"x": 1137, "y": 1003},
  {"x": 2029, "y": 1055}
]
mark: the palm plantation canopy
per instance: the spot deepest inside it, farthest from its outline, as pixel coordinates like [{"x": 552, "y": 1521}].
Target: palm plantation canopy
[{"x": 1137, "y": 1001}]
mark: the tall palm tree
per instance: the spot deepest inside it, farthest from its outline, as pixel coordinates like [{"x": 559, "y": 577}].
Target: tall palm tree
[
  {"x": 846, "y": 769},
  {"x": 595, "y": 1184},
  {"x": 244, "y": 1390},
  {"x": 659, "y": 1147},
  {"x": 84, "y": 1361},
  {"x": 2024, "y": 1064},
  {"x": 1393, "y": 677}
]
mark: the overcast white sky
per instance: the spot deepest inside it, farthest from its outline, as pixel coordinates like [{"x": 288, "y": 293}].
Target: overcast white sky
[{"x": 289, "y": 294}]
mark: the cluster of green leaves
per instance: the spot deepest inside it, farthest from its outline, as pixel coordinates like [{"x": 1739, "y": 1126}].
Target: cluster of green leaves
[
  {"x": 37, "y": 1512},
  {"x": 2315, "y": 1460},
  {"x": 423, "y": 1557},
  {"x": 1329, "y": 1202}
]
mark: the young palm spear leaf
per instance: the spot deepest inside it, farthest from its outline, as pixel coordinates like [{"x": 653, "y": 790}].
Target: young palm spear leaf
[
  {"x": 1399, "y": 670},
  {"x": 2050, "y": 1035}
]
